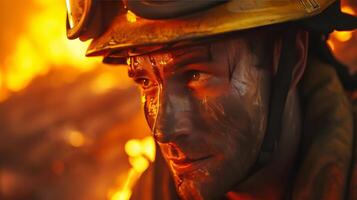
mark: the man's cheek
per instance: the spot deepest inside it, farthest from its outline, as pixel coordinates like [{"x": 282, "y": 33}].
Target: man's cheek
[
  {"x": 151, "y": 110},
  {"x": 222, "y": 115}
]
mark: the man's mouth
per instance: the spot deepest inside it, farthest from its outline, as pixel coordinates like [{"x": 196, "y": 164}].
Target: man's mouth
[{"x": 183, "y": 166}]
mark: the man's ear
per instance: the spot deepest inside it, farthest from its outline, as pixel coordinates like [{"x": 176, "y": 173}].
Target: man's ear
[{"x": 301, "y": 48}]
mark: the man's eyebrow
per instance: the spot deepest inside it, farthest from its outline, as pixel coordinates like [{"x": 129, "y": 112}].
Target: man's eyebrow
[
  {"x": 135, "y": 70},
  {"x": 181, "y": 57},
  {"x": 191, "y": 55}
]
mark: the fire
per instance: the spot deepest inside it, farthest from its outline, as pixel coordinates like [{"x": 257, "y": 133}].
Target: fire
[
  {"x": 130, "y": 17},
  {"x": 338, "y": 39},
  {"x": 145, "y": 148},
  {"x": 141, "y": 153},
  {"x": 348, "y": 10},
  {"x": 342, "y": 36},
  {"x": 75, "y": 138},
  {"x": 41, "y": 46},
  {"x": 133, "y": 148},
  {"x": 331, "y": 45},
  {"x": 105, "y": 82},
  {"x": 23, "y": 65}
]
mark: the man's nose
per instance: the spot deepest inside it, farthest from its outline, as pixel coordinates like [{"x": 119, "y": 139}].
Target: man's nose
[{"x": 174, "y": 118}]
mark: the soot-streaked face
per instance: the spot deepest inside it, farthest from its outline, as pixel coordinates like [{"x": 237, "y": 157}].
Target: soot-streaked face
[{"x": 207, "y": 107}]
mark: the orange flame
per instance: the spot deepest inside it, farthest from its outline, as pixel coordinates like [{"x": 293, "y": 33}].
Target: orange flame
[
  {"x": 348, "y": 9},
  {"x": 141, "y": 153},
  {"x": 131, "y": 17},
  {"x": 338, "y": 38},
  {"x": 342, "y": 36},
  {"x": 41, "y": 46}
]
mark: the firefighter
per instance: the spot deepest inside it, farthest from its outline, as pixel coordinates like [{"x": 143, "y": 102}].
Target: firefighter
[{"x": 243, "y": 97}]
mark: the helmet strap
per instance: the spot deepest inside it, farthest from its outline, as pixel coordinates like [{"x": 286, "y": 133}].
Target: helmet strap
[{"x": 280, "y": 88}]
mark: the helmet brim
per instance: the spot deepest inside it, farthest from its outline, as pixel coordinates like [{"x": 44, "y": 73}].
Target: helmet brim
[{"x": 231, "y": 16}]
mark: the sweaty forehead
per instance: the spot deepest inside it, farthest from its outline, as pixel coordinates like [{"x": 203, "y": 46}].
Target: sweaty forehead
[{"x": 172, "y": 57}]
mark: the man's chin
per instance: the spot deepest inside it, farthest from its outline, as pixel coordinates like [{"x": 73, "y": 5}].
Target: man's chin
[
  {"x": 190, "y": 190},
  {"x": 196, "y": 187}
]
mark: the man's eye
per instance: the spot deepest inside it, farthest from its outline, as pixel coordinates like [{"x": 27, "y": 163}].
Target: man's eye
[
  {"x": 197, "y": 78},
  {"x": 144, "y": 83}
]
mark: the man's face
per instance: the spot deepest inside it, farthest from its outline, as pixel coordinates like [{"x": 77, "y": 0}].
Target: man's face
[{"x": 207, "y": 107}]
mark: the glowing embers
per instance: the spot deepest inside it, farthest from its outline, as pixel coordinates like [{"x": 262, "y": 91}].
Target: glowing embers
[
  {"x": 131, "y": 17},
  {"x": 343, "y": 43},
  {"x": 348, "y": 10},
  {"x": 331, "y": 45},
  {"x": 75, "y": 138},
  {"x": 342, "y": 36},
  {"x": 141, "y": 153},
  {"x": 141, "y": 148},
  {"x": 338, "y": 38}
]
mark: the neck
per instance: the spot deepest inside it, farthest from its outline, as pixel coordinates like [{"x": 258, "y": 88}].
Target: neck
[{"x": 271, "y": 182}]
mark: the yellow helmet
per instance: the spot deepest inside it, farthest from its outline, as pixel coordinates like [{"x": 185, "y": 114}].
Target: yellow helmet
[{"x": 122, "y": 24}]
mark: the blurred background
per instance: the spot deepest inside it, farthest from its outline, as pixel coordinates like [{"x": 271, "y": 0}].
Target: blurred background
[
  {"x": 71, "y": 127},
  {"x": 64, "y": 118}
]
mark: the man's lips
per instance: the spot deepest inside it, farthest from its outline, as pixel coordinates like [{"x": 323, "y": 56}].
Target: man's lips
[{"x": 182, "y": 166}]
